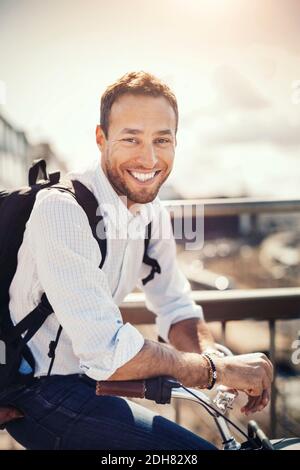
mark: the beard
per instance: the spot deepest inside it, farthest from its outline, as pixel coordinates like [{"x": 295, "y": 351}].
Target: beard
[{"x": 139, "y": 196}]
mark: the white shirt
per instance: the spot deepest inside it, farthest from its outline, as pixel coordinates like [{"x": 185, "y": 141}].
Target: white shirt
[{"x": 60, "y": 256}]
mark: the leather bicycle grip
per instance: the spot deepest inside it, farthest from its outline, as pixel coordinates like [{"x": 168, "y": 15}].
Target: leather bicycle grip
[{"x": 122, "y": 388}]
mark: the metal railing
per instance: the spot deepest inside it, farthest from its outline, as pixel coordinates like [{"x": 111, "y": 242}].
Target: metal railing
[{"x": 236, "y": 206}]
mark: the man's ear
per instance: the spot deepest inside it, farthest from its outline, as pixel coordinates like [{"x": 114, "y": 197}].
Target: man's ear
[{"x": 100, "y": 138}]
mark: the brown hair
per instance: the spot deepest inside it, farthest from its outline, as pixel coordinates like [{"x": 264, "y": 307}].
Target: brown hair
[{"x": 136, "y": 83}]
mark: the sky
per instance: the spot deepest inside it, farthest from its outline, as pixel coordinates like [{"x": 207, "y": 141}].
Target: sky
[{"x": 234, "y": 66}]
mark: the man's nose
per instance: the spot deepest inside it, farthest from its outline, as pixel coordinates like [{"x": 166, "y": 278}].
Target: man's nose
[{"x": 147, "y": 156}]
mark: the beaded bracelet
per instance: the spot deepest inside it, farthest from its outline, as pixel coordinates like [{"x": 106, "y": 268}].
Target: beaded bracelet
[{"x": 212, "y": 371}]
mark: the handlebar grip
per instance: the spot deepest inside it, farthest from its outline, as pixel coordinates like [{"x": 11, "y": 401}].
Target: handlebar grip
[
  {"x": 158, "y": 389},
  {"x": 121, "y": 388}
]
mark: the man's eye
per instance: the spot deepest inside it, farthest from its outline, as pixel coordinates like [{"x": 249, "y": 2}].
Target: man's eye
[
  {"x": 163, "y": 141},
  {"x": 130, "y": 140}
]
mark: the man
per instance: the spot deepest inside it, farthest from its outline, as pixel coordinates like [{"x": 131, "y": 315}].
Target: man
[{"x": 60, "y": 256}]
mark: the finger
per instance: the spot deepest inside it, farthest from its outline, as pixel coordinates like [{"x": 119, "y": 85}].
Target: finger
[
  {"x": 268, "y": 360},
  {"x": 249, "y": 402},
  {"x": 265, "y": 399},
  {"x": 266, "y": 384},
  {"x": 266, "y": 375},
  {"x": 269, "y": 368},
  {"x": 262, "y": 402},
  {"x": 251, "y": 406},
  {"x": 256, "y": 405},
  {"x": 256, "y": 390}
]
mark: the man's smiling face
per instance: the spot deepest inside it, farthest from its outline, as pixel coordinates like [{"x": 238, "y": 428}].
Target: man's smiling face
[{"x": 138, "y": 153}]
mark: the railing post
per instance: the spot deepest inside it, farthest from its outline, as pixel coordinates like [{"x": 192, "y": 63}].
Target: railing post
[
  {"x": 273, "y": 416},
  {"x": 254, "y": 223},
  {"x": 223, "y": 333}
]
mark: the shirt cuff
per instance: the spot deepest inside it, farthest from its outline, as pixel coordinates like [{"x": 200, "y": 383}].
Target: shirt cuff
[
  {"x": 164, "y": 322},
  {"x": 127, "y": 344}
]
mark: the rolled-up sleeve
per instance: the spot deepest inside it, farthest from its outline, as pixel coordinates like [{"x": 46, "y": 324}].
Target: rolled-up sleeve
[
  {"x": 67, "y": 258},
  {"x": 168, "y": 294}
]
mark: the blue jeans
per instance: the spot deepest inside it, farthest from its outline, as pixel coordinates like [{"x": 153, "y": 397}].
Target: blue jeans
[{"x": 63, "y": 412}]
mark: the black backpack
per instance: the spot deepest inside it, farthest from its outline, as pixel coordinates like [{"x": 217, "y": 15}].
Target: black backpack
[{"x": 15, "y": 209}]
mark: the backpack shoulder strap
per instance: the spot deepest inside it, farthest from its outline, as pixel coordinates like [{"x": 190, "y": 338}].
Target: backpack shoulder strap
[
  {"x": 153, "y": 263},
  {"x": 89, "y": 204},
  {"x": 86, "y": 199},
  {"x": 40, "y": 166}
]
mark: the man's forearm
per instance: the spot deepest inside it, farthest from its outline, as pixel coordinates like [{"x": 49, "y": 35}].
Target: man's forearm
[
  {"x": 156, "y": 359},
  {"x": 192, "y": 335},
  {"x": 252, "y": 373}
]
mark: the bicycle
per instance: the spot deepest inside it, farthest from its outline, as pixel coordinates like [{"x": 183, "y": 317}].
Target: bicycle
[{"x": 163, "y": 389}]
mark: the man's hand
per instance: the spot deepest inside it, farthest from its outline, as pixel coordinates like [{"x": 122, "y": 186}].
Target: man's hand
[
  {"x": 257, "y": 403},
  {"x": 250, "y": 373}
]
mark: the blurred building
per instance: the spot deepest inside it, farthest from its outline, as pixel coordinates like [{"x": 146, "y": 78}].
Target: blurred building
[
  {"x": 17, "y": 153},
  {"x": 14, "y": 155}
]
